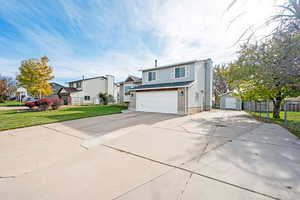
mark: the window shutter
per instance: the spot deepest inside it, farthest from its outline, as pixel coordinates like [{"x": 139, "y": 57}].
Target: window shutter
[
  {"x": 157, "y": 75},
  {"x": 187, "y": 71},
  {"x": 145, "y": 76},
  {"x": 173, "y": 73}
]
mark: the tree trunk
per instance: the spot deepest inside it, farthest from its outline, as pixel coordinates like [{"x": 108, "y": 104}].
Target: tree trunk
[{"x": 276, "y": 109}]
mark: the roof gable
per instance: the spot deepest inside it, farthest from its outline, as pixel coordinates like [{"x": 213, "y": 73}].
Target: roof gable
[
  {"x": 129, "y": 79},
  {"x": 133, "y": 79},
  {"x": 175, "y": 64}
]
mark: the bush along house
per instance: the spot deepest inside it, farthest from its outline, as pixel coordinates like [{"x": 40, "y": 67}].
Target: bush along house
[
  {"x": 181, "y": 88},
  {"x": 86, "y": 91}
]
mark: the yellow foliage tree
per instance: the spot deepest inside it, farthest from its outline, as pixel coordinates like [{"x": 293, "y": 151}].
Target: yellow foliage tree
[{"x": 34, "y": 76}]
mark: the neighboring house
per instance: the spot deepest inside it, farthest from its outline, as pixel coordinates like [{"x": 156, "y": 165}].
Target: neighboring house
[
  {"x": 182, "y": 88},
  {"x": 87, "y": 90},
  {"x": 229, "y": 102},
  {"x": 62, "y": 92},
  {"x": 65, "y": 94},
  {"x": 21, "y": 93},
  {"x": 293, "y": 104},
  {"x": 117, "y": 92},
  {"x": 126, "y": 86},
  {"x": 56, "y": 87}
]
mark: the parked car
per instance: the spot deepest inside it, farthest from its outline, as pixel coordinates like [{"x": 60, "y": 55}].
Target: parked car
[
  {"x": 44, "y": 104},
  {"x": 27, "y": 99}
]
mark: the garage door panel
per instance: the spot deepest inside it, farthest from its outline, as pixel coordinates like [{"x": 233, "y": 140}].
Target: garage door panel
[{"x": 160, "y": 101}]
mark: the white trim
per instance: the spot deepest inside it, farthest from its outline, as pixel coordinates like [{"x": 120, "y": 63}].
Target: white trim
[
  {"x": 173, "y": 73},
  {"x": 175, "y": 64},
  {"x": 187, "y": 71},
  {"x": 162, "y": 88},
  {"x": 156, "y": 76}
]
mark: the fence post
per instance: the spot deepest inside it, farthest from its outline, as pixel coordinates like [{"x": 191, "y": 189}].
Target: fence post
[
  {"x": 259, "y": 110},
  {"x": 285, "y": 111},
  {"x": 267, "y": 107}
]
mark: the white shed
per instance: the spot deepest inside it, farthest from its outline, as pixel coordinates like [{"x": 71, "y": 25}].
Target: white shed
[{"x": 230, "y": 102}]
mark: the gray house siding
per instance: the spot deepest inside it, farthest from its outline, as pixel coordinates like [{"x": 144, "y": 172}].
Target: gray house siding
[
  {"x": 181, "y": 101},
  {"x": 165, "y": 75},
  {"x": 121, "y": 93},
  {"x": 200, "y": 93},
  {"x": 208, "y": 76},
  {"x": 192, "y": 98}
]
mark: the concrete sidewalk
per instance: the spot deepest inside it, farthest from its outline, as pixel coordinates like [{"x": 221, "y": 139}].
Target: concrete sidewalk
[
  {"x": 13, "y": 108},
  {"x": 211, "y": 155}
]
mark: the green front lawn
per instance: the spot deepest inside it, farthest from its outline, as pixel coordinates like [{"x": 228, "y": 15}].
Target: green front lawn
[
  {"x": 12, "y": 103},
  {"x": 10, "y": 119},
  {"x": 292, "y": 123},
  {"x": 291, "y": 116}
]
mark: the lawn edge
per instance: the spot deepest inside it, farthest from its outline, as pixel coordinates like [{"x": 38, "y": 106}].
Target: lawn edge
[
  {"x": 25, "y": 126},
  {"x": 278, "y": 122}
]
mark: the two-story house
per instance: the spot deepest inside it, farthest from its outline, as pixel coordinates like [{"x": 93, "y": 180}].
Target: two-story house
[
  {"x": 126, "y": 86},
  {"x": 88, "y": 90},
  {"x": 181, "y": 88}
]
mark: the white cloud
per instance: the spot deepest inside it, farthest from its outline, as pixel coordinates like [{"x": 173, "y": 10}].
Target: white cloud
[
  {"x": 199, "y": 29},
  {"x": 183, "y": 30}
]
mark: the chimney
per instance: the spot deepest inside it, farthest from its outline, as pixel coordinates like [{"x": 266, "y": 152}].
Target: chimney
[{"x": 155, "y": 63}]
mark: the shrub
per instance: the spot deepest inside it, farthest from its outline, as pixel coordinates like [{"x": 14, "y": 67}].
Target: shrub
[
  {"x": 110, "y": 99},
  {"x": 103, "y": 98},
  {"x": 56, "y": 103},
  {"x": 44, "y": 103},
  {"x": 2, "y": 100},
  {"x": 30, "y": 104},
  {"x": 122, "y": 106}
]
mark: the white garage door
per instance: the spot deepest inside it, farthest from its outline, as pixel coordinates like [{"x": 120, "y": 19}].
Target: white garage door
[
  {"x": 160, "y": 101},
  {"x": 230, "y": 103}
]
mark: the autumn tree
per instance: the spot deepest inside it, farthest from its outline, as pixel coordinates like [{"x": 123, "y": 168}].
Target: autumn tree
[
  {"x": 34, "y": 75},
  {"x": 220, "y": 85},
  {"x": 268, "y": 70},
  {"x": 7, "y": 87}
]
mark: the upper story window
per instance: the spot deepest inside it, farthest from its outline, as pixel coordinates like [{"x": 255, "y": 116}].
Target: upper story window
[
  {"x": 180, "y": 72},
  {"x": 152, "y": 76},
  {"x": 78, "y": 85}
]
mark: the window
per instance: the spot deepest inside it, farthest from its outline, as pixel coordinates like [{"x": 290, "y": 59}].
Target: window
[
  {"x": 87, "y": 98},
  {"x": 179, "y": 72},
  {"x": 151, "y": 76},
  {"x": 126, "y": 89},
  {"x": 78, "y": 85}
]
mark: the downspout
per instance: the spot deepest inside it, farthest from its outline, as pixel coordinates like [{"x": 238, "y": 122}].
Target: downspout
[
  {"x": 82, "y": 86},
  {"x": 186, "y": 101},
  {"x": 205, "y": 86}
]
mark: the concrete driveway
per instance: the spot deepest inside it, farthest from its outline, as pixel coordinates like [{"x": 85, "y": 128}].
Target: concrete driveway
[{"x": 210, "y": 155}]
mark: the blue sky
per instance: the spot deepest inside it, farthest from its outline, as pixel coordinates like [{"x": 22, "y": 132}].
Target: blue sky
[{"x": 119, "y": 37}]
